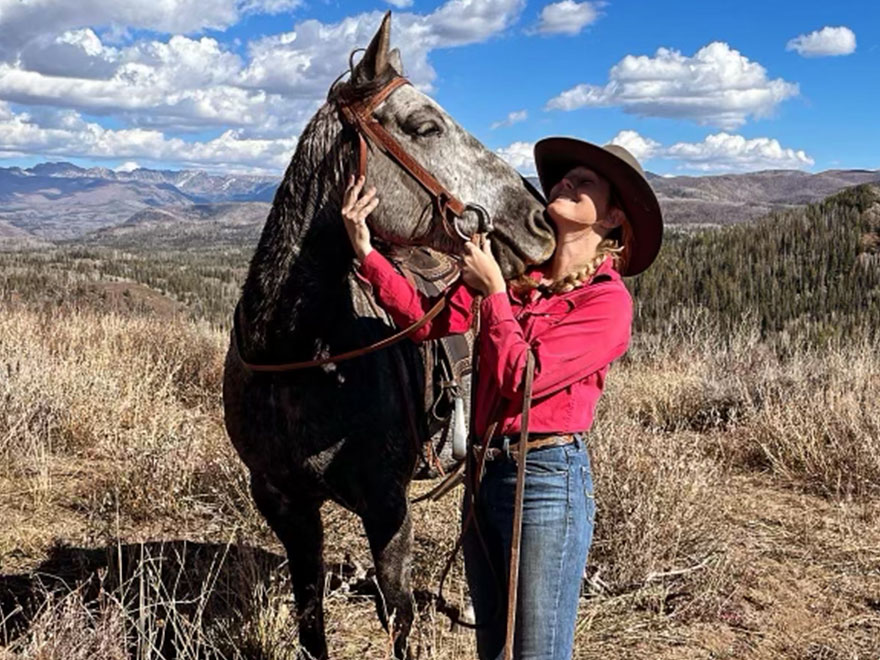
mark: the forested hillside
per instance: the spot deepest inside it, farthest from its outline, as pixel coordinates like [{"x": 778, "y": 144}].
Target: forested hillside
[
  {"x": 811, "y": 273},
  {"x": 798, "y": 276}
]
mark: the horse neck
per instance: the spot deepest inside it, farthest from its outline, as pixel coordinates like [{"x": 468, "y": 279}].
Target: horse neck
[{"x": 297, "y": 286}]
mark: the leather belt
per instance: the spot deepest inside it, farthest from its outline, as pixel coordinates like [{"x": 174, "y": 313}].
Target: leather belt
[{"x": 533, "y": 442}]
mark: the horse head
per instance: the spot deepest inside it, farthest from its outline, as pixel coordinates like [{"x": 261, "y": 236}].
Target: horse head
[{"x": 408, "y": 214}]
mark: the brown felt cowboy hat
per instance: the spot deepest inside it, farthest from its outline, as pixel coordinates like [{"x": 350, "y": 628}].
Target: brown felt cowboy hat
[{"x": 555, "y": 156}]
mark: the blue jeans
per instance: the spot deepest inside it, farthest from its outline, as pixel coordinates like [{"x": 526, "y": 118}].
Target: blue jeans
[{"x": 558, "y": 514}]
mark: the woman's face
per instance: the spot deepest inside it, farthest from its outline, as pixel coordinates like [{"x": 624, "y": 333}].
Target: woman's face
[{"x": 581, "y": 197}]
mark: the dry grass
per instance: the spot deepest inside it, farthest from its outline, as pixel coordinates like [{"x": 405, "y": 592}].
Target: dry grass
[
  {"x": 737, "y": 513},
  {"x": 812, "y": 419},
  {"x": 104, "y": 392}
]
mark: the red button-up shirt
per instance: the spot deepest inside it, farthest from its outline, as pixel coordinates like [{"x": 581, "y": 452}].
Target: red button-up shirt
[{"x": 575, "y": 336}]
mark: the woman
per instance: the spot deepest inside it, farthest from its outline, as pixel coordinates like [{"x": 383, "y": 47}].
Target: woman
[{"x": 574, "y": 313}]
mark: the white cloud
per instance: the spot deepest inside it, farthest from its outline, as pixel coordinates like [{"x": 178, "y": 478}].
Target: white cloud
[
  {"x": 230, "y": 151},
  {"x": 723, "y": 151},
  {"x": 267, "y": 6},
  {"x": 400, "y": 4},
  {"x": 186, "y": 83},
  {"x": 716, "y": 86},
  {"x": 162, "y": 88},
  {"x": 23, "y": 21},
  {"x": 641, "y": 147},
  {"x": 182, "y": 83},
  {"x": 78, "y": 53},
  {"x": 127, "y": 166},
  {"x": 459, "y": 22},
  {"x": 827, "y": 41},
  {"x": 511, "y": 119},
  {"x": 157, "y": 95},
  {"x": 519, "y": 155},
  {"x": 568, "y": 17}
]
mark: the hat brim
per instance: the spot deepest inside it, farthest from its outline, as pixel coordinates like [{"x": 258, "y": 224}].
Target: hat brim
[{"x": 555, "y": 156}]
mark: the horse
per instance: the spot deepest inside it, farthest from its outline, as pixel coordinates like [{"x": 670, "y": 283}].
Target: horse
[{"x": 343, "y": 430}]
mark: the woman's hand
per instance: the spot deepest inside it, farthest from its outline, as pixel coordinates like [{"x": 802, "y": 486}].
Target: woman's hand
[
  {"x": 480, "y": 270},
  {"x": 355, "y": 210}
]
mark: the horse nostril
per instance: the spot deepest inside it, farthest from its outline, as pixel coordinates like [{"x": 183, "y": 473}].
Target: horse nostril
[
  {"x": 540, "y": 227},
  {"x": 538, "y": 223}
]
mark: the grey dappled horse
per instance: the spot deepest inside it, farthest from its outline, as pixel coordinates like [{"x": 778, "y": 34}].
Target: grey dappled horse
[{"x": 341, "y": 431}]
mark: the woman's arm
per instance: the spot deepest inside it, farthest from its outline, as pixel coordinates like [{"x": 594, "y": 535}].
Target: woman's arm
[
  {"x": 398, "y": 297},
  {"x": 592, "y": 335},
  {"x": 406, "y": 304}
]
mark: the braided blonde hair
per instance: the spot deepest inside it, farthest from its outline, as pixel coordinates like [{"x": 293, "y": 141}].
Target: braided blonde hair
[{"x": 608, "y": 247}]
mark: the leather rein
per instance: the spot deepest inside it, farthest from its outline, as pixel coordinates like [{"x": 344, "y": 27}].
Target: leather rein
[{"x": 358, "y": 114}]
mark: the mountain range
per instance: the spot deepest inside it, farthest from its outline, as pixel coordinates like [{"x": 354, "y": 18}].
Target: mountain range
[
  {"x": 728, "y": 198},
  {"x": 53, "y": 201},
  {"x": 59, "y": 201}
]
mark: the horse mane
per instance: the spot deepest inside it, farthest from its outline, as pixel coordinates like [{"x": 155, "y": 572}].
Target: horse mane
[
  {"x": 282, "y": 274},
  {"x": 284, "y": 278}
]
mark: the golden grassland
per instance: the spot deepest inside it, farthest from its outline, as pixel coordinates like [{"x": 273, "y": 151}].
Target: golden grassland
[{"x": 737, "y": 494}]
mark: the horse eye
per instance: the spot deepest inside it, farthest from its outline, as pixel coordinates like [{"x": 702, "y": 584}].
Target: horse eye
[
  {"x": 420, "y": 125},
  {"x": 428, "y": 128}
]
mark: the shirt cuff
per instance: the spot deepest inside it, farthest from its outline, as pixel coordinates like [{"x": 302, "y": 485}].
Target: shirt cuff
[
  {"x": 374, "y": 266},
  {"x": 496, "y": 308}
]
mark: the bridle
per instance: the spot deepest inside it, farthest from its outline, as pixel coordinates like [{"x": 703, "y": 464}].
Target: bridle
[{"x": 357, "y": 113}]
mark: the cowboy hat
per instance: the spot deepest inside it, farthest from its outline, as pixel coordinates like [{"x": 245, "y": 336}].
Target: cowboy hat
[{"x": 555, "y": 156}]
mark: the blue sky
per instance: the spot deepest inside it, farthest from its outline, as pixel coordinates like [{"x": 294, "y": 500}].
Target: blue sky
[{"x": 226, "y": 85}]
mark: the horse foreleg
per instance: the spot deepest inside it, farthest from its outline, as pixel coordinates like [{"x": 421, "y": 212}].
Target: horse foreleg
[
  {"x": 389, "y": 530},
  {"x": 297, "y": 524}
]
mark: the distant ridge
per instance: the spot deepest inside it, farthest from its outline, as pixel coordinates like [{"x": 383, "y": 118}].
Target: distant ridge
[
  {"x": 197, "y": 225},
  {"x": 14, "y": 237},
  {"x": 723, "y": 199},
  {"x": 60, "y": 201},
  {"x": 196, "y": 184}
]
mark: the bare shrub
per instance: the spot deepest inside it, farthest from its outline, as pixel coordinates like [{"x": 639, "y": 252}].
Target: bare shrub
[
  {"x": 817, "y": 421},
  {"x": 809, "y": 415},
  {"x": 656, "y": 517},
  {"x": 689, "y": 377},
  {"x": 137, "y": 395},
  {"x": 69, "y": 628}
]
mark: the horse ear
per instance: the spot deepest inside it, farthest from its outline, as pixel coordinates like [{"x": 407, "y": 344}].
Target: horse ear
[
  {"x": 375, "y": 60},
  {"x": 396, "y": 61}
]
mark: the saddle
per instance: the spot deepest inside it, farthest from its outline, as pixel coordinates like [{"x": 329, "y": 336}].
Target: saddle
[{"x": 447, "y": 361}]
